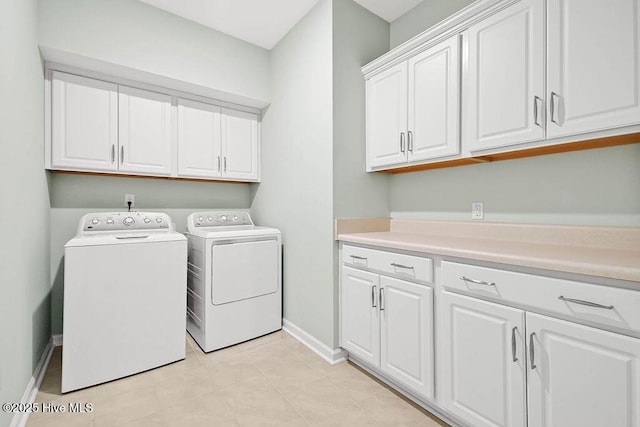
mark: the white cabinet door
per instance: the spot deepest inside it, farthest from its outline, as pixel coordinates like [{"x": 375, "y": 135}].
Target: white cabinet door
[
  {"x": 84, "y": 123},
  {"x": 387, "y": 118},
  {"x": 199, "y": 139},
  {"x": 144, "y": 131},
  {"x": 504, "y": 83},
  {"x": 593, "y": 65},
  {"x": 434, "y": 102},
  {"x": 406, "y": 334},
  {"x": 482, "y": 361},
  {"x": 359, "y": 319},
  {"x": 239, "y": 145},
  {"x": 581, "y": 376}
]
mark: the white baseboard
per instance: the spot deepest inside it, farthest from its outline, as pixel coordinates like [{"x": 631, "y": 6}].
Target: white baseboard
[
  {"x": 333, "y": 356},
  {"x": 29, "y": 396},
  {"x": 57, "y": 340}
]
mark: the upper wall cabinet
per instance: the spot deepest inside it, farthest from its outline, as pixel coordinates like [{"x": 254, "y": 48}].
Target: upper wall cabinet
[
  {"x": 413, "y": 108},
  {"x": 98, "y": 126},
  {"x": 84, "y": 123},
  {"x": 593, "y": 61},
  {"x": 144, "y": 131},
  {"x": 504, "y": 77}
]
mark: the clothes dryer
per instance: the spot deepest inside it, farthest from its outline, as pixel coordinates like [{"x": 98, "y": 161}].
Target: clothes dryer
[{"x": 234, "y": 286}]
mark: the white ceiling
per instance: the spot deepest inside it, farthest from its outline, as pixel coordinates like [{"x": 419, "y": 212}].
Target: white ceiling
[{"x": 264, "y": 22}]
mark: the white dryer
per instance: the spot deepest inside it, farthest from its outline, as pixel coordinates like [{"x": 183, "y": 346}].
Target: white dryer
[
  {"x": 234, "y": 285},
  {"x": 125, "y": 278}
]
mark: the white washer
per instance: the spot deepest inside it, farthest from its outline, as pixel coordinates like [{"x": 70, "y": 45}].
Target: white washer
[
  {"x": 125, "y": 280},
  {"x": 234, "y": 290}
]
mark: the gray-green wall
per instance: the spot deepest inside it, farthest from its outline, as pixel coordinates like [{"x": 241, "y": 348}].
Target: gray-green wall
[
  {"x": 295, "y": 194},
  {"x": 595, "y": 187},
  {"x": 24, "y": 221},
  {"x": 425, "y": 15}
]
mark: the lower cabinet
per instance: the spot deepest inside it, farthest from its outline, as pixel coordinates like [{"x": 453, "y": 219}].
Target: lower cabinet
[
  {"x": 574, "y": 375},
  {"x": 387, "y": 323}
]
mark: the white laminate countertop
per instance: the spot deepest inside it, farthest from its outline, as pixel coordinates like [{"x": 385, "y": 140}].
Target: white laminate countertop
[{"x": 609, "y": 252}]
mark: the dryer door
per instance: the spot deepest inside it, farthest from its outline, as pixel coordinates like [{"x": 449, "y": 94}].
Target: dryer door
[{"x": 243, "y": 269}]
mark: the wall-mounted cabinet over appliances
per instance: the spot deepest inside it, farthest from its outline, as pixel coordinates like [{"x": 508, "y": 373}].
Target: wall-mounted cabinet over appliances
[
  {"x": 98, "y": 126},
  {"x": 413, "y": 108}
]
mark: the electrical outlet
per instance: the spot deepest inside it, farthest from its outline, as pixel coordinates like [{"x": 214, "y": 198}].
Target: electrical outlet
[
  {"x": 129, "y": 198},
  {"x": 477, "y": 210}
]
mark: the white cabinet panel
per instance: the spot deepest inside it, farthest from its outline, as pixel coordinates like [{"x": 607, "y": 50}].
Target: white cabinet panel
[
  {"x": 84, "y": 123},
  {"x": 360, "y": 334},
  {"x": 483, "y": 361},
  {"x": 406, "y": 334},
  {"x": 504, "y": 83},
  {"x": 199, "y": 139},
  {"x": 593, "y": 65},
  {"x": 581, "y": 376},
  {"x": 434, "y": 102},
  {"x": 144, "y": 131},
  {"x": 239, "y": 145},
  {"x": 387, "y": 117}
]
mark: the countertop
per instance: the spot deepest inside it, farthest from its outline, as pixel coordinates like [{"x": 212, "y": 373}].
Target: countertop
[{"x": 609, "y": 252}]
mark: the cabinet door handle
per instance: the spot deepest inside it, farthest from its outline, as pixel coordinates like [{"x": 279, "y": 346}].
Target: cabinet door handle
[
  {"x": 587, "y": 303},
  {"x": 122, "y": 154},
  {"x": 410, "y": 141},
  {"x": 532, "y": 354},
  {"x": 358, "y": 257},
  {"x": 535, "y": 110},
  {"x": 225, "y": 163},
  {"x": 381, "y": 299},
  {"x": 393, "y": 264},
  {"x": 477, "y": 282},
  {"x": 218, "y": 163},
  {"x": 513, "y": 344},
  {"x": 402, "y": 142},
  {"x": 552, "y": 107},
  {"x": 373, "y": 296},
  {"x": 113, "y": 153}
]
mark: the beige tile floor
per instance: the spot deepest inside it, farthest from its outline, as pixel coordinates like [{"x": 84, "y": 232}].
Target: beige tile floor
[{"x": 270, "y": 381}]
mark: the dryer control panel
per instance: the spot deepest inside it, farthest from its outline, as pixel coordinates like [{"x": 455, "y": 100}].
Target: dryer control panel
[
  {"x": 220, "y": 219},
  {"x": 125, "y": 221}
]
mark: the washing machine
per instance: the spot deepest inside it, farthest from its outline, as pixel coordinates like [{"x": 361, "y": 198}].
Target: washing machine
[
  {"x": 234, "y": 285},
  {"x": 125, "y": 278}
]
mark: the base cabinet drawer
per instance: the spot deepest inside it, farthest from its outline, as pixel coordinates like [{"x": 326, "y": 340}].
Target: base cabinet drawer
[
  {"x": 388, "y": 324},
  {"x": 402, "y": 266},
  {"x": 600, "y": 304}
]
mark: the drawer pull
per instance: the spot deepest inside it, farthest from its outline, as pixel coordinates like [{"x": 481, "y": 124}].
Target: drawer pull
[
  {"x": 373, "y": 296},
  {"x": 513, "y": 344},
  {"x": 358, "y": 257},
  {"x": 587, "y": 303},
  {"x": 532, "y": 354},
  {"x": 401, "y": 266},
  {"x": 477, "y": 282}
]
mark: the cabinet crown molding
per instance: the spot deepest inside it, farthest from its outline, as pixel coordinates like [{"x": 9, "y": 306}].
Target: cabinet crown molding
[{"x": 449, "y": 27}]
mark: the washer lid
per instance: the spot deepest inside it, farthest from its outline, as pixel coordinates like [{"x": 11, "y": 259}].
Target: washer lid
[{"x": 103, "y": 239}]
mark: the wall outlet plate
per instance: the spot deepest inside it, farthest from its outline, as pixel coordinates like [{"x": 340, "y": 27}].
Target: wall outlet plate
[
  {"x": 129, "y": 198},
  {"x": 477, "y": 210}
]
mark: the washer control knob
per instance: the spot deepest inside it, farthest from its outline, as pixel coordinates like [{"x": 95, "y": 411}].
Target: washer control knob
[
  {"x": 200, "y": 218},
  {"x": 128, "y": 221},
  {"x": 110, "y": 221},
  {"x": 95, "y": 221},
  {"x": 223, "y": 217},
  {"x": 158, "y": 220},
  {"x": 147, "y": 220},
  {"x": 235, "y": 217},
  {"x": 210, "y": 218}
]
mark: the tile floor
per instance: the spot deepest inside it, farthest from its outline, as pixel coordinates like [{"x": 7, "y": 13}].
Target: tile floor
[{"x": 270, "y": 381}]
